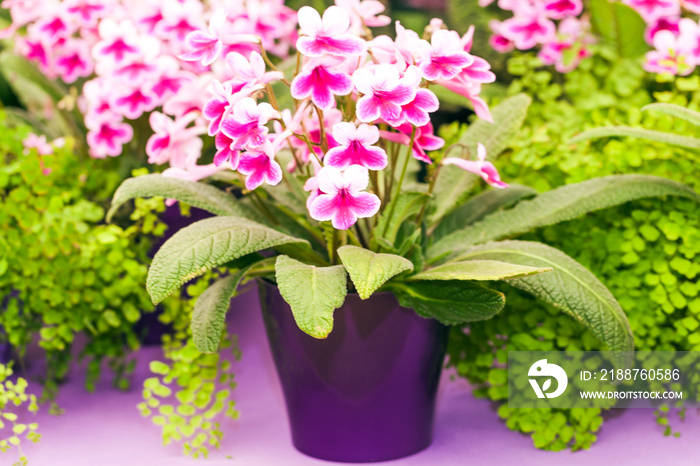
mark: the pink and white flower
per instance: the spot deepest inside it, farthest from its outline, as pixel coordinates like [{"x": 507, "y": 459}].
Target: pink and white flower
[
  {"x": 560, "y": 9},
  {"x": 423, "y": 141},
  {"x": 251, "y": 70},
  {"x": 417, "y": 111},
  {"x": 33, "y": 141},
  {"x": 342, "y": 200},
  {"x": 443, "y": 58},
  {"x": 328, "y": 35},
  {"x": 321, "y": 84},
  {"x": 356, "y": 147},
  {"x": 480, "y": 167},
  {"x": 364, "y": 13},
  {"x": 225, "y": 152},
  {"x": 383, "y": 94},
  {"x": 260, "y": 167},
  {"x": 133, "y": 102},
  {"x": 205, "y": 46},
  {"x": 529, "y": 28},
  {"x": 174, "y": 141},
  {"x": 106, "y": 137},
  {"x": 246, "y": 124},
  {"x": 74, "y": 61},
  {"x": 651, "y": 10},
  {"x": 118, "y": 41}
]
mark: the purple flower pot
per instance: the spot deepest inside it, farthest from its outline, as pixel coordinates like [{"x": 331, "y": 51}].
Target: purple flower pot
[
  {"x": 367, "y": 392},
  {"x": 149, "y": 328},
  {"x": 5, "y": 353}
]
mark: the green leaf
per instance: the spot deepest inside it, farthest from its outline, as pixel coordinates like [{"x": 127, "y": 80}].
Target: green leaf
[
  {"x": 570, "y": 287},
  {"x": 196, "y": 194},
  {"x": 16, "y": 67},
  {"x": 478, "y": 270},
  {"x": 368, "y": 270},
  {"x": 451, "y": 302},
  {"x": 620, "y": 26},
  {"x": 407, "y": 204},
  {"x": 204, "y": 245},
  {"x": 480, "y": 206},
  {"x": 642, "y": 133},
  {"x": 312, "y": 292},
  {"x": 559, "y": 205},
  {"x": 159, "y": 367},
  {"x": 453, "y": 184},
  {"x": 209, "y": 314},
  {"x": 691, "y": 116}
]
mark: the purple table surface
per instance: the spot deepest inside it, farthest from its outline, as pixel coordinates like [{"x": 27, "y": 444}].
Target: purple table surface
[{"x": 104, "y": 428}]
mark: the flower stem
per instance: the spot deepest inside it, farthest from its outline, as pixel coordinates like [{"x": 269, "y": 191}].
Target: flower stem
[
  {"x": 272, "y": 66},
  {"x": 397, "y": 191},
  {"x": 433, "y": 179}
]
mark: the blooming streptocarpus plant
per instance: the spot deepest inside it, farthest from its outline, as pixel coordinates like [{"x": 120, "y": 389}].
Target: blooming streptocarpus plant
[{"x": 330, "y": 182}]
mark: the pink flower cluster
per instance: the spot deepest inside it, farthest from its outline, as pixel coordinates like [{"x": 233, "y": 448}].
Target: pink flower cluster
[
  {"x": 129, "y": 52},
  {"x": 555, "y": 26},
  {"x": 675, "y": 40},
  {"x": 346, "y": 86}
]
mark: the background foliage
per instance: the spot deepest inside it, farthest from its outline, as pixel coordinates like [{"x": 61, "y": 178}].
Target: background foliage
[
  {"x": 645, "y": 252},
  {"x": 62, "y": 270}
]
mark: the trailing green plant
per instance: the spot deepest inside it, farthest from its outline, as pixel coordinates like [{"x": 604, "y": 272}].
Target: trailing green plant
[
  {"x": 62, "y": 270},
  {"x": 190, "y": 393},
  {"x": 15, "y": 403},
  {"x": 645, "y": 252}
]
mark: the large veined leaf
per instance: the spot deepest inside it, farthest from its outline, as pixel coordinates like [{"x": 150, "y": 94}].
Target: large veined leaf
[
  {"x": 451, "y": 302},
  {"x": 620, "y": 26},
  {"x": 480, "y": 206},
  {"x": 570, "y": 287},
  {"x": 479, "y": 270},
  {"x": 196, "y": 194},
  {"x": 206, "y": 244},
  {"x": 368, "y": 270},
  {"x": 40, "y": 95},
  {"x": 691, "y": 116},
  {"x": 313, "y": 293},
  {"x": 454, "y": 184},
  {"x": 209, "y": 314},
  {"x": 641, "y": 133},
  {"x": 15, "y": 67},
  {"x": 559, "y": 205}
]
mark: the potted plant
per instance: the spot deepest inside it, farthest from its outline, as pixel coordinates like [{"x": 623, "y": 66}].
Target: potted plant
[{"x": 367, "y": 261}]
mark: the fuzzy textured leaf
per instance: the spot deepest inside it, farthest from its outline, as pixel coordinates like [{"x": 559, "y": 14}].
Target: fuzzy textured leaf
[
  {"x": 570, "y": 287},
  {"x": 313, "y": 293},
  {"x": 451, "y": 302},
  {"x": 620, "y": 26},
  {"x": 407, "y": 204},
  {"x": 209, "y": 314},
  {"x": 688, "y": 142},
  {"x": 196, "y": 194},
  {"x": 691, "y": 116},
  {"x": 559, "y": 205},
  {"x": 368, "y": 270},
  {"x": 204, "y": 245},
  {"x": 479, "y": 270},
  {"x": 480, "y": 206},
  {"x": 453, "y": 184}
]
